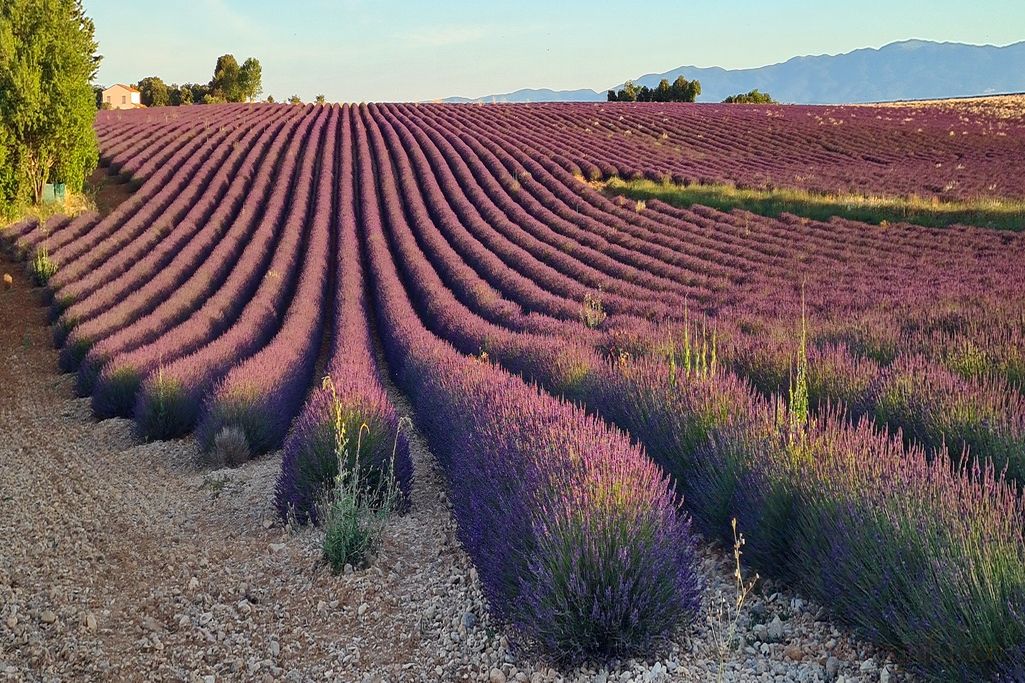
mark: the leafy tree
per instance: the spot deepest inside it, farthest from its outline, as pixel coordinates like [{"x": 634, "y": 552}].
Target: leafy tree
[
  {"x": 678, "y": 90},
  {"x": 250, "y": 78},
  {"x": 663, "y": 92},
  {"x": 225, "y": 85},
  {"x": 753, "y": 97},
  {"x": 613, "y": 97},
  {"x": 197, "y": 92},
  {"x": 47, "y": 63},
  {"x": 692, "y": 92},
  {"x": 629, "y": 92},
  {"x": 154, "y": 92},
  {"x": 294, "y": 99},
  {"x": 234, "y": 83},
  {"x": 320, "y": 99},
  {"x": 270, "y": 99},
  {"x": 10, "y": 171}
]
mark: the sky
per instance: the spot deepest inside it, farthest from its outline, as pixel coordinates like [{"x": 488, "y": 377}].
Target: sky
[{"x": 387, "y": 50}]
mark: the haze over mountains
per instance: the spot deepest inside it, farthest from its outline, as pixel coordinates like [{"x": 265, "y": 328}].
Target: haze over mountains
[{"x": 910, "y": 69}]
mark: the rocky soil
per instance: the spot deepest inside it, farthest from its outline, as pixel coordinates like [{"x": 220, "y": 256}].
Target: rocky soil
[{"x": 123, "y": 560}]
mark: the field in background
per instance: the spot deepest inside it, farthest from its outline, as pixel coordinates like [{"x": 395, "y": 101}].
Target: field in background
[{"x": 997, "y": 106}]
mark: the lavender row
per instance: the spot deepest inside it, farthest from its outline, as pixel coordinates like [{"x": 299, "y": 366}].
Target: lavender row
[
  {"x": 254, "y": 293},
  {"x": 170, "y": 400},
  {"x": 219, "y": 187},
  {"x": 584, "y": 553},
  {"x": 355, "y": 395},
  {"x": 159, "y": 219},
  {"x": 260, "y": 395},
  {"x": 687, "y": 423},
  {"x": 209, "y": 216},
  {"x": 196, "y": 275}
]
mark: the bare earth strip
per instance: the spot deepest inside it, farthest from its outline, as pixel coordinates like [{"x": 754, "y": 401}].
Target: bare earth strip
[{"x": 121, "y": 560}]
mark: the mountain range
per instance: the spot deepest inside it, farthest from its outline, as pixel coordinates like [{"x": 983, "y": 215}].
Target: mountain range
[{"x": 905, "y": 70}]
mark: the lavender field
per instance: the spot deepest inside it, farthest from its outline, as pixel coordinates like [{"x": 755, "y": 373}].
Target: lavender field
[{"x": 604, "y": 382}]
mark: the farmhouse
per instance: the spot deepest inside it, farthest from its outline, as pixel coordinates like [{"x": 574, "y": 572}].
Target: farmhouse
[{"x": 120, "y": 96}]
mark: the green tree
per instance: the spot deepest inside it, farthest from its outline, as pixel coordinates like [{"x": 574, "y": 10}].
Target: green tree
[
  {"x": 154, "y": 92},
  {"x": 692, "y": 91},
  {"x": 234, "y": 83},
  {"x": 628, "y": 93},
  {"x": 270, "y": 99},
  {"x": 250, "y": 80},
  {"x": 320, "y": 99},
  {"x": 753, "y": 97},
  {"x": 225, "y": 85},
  {"x": 294, "y": 99},
  {"x": 9, "y": 172},
  {"x": 197, "y": 92},
  {"x": 47, "y": 63},
  {"x": 663, "y": 92},
  {"x": 678, "y": 90},
  {"x": 613, "y": 97}
]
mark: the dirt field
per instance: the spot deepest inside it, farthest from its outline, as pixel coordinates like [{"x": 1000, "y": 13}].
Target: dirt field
[{"x": 997, "y": 106}]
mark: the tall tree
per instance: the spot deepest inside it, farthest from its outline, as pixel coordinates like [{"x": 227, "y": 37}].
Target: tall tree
[
  {"x": 678, "y": 90},
  {"x": 47, "y": 63},
  {"x": 663, "y": 92},
  {"x": 692, "y": 92},
  {"x": 250, "y": 80},
  {"x": 225, "y": 85},
  {"x": 154, "y": 92}
]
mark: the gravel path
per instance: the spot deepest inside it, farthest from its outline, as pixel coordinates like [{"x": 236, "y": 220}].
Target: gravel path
[{"x": 121, "y": 560}]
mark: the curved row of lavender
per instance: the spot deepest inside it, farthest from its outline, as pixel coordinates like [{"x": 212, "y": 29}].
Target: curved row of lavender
[
  {"x": 800, "y": 491},
  {"x": 885, "y": 151},
  {"x": 355, "y": 394},
  {"x": 169, "y": 401},
  {"x": 497, "y": 243},
  {"x": 955, "y": 412},
  {"x": 574, "y": 531}
]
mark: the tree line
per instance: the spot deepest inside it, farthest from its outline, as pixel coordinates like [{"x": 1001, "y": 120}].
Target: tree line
[
  {"x": 48, "y": 60},
  {"x": 230, "y": 83},
  {"x": 681, "y": 90},
  {"x": 753, "y": 97}
]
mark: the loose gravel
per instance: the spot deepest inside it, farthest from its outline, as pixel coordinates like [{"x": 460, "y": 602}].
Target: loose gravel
[{"x": 124, "y": 560}]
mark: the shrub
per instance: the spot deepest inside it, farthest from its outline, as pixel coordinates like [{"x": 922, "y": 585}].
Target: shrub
[
  {"x": 592, "y": 311},
  {"x": 42, "y": 267},
  {"x": 231, "y": 447}
]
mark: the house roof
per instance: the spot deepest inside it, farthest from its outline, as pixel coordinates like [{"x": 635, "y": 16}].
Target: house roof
[{"x": 122, "y": 85}]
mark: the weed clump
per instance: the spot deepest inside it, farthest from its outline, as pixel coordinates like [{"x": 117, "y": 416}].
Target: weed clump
[
  {"x": 592, "y": 311},
  {"x": 42, "y": 267},
  {"x": 354, "y": 514},
  {"x": 231, "y": 447}
]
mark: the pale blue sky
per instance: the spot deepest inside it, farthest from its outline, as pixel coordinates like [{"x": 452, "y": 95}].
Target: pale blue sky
[{"x": 360, "y": 50}]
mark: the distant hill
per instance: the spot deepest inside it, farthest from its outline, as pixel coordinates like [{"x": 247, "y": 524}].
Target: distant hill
[
  {"x": 910, "y": 69},
  {"x": 535, "y": 95}
]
